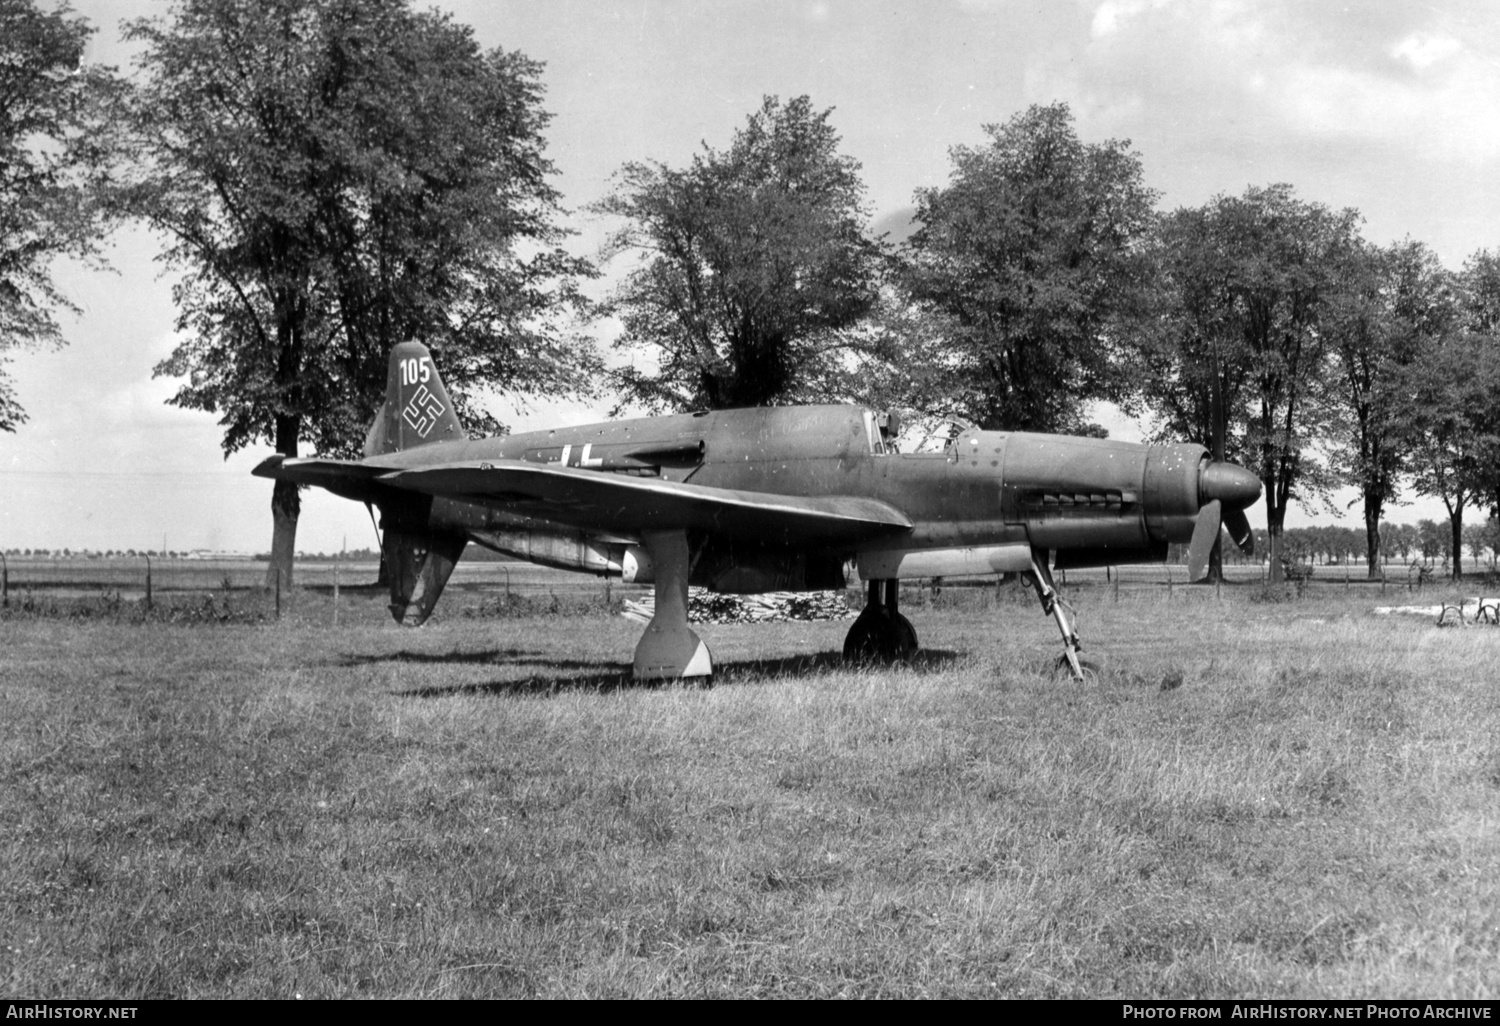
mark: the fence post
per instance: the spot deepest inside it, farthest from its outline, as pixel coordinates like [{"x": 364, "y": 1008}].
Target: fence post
[
  {"x": 148, "y": 579},
  {"x": 4, "y": 582},
  {"x": 336, "y": 560},
  {"x": 1117, "y": 586},
  {"x": 278, "y": 593}
]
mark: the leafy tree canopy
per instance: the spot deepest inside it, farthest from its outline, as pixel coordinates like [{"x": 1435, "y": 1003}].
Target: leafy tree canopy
[
  {"x": 1285, "y": 257},
  {"x": 335, "y": 177},
  {"x": 1479, "y": 291},
  {"x": 753, "y": 260},
  {"x": 49, "y": 113},
  {"x": 1246, "y": 291},
  {"x": 1451, "y": 413},
  {"x": 1030, "y": 254},
  {"x": 1387, "y": 304}
]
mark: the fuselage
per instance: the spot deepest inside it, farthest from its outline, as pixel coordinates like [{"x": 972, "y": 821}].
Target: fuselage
[{"x": 981, "y": 504}]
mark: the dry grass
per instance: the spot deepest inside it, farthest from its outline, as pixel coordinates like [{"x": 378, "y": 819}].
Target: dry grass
[{"x": 1291, "y": 799}]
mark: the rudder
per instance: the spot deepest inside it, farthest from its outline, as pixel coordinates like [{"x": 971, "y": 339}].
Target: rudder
[{"x": 417, "y": 409}]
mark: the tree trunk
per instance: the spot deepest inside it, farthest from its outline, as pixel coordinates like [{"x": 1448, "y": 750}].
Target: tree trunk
[
  {"x": 1275, "y": 521},
  {"x": 1218, "y": 429},
  {"x": 1456, "y": 524},
  {"x": 1372, "y": 537},
  {"x": 286, "y": 505}
]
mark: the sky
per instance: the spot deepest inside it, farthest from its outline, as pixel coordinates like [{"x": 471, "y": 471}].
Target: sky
[{"x": 1383, "y": 106}]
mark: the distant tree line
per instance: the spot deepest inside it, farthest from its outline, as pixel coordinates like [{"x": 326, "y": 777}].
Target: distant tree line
[
  {"x": 330, "y": 177},
  {"x": 1426, "y": 543},
  {"x": 68, "y": 553}
]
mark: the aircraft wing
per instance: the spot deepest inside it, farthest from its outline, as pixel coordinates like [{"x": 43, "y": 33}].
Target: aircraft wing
[{"x": 620, "y": 502}]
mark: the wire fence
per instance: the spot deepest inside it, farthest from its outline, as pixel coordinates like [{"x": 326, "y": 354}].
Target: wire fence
[
  {"x": 145, "y": 577},
  {"x": 134, "y": 577}
]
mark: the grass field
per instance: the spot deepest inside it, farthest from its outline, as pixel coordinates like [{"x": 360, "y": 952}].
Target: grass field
[{"x": 1267, "y": 799}]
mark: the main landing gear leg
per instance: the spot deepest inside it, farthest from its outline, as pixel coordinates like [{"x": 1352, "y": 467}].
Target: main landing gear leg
[
  {"x": 1054, "y": 606},
  {"x": 881, "y": 634},
  {"x": 669, "y": 649}
]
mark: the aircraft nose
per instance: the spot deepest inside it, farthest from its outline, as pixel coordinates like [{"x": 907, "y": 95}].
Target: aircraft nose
[{"x": 1233, "y": 486}]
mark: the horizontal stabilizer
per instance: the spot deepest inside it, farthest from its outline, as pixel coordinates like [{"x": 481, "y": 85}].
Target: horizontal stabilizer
[
  {"x": 619, "y": 502},
  {"x": 352, "y": 480}
]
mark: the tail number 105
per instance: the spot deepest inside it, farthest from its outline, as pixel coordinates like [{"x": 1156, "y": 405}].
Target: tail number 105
[{"x": 416, "y": 370}]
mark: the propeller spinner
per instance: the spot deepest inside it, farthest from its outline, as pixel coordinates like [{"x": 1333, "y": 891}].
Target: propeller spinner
[{"x": 1224, "y": 492}]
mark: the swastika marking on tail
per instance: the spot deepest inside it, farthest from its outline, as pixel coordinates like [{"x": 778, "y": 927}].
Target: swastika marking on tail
[{"x": 423, "y": 411}]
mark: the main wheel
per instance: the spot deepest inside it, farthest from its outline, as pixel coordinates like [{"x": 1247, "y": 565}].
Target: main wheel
[
  {"x": 878, "y": 636},
  {"x": 905, "y": 639}
]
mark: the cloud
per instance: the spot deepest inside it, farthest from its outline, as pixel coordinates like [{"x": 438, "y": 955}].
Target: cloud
[
  {"x": 142, "y": 403},
  {"x": 1423, "y": 50},
  {"x": 1447, "y": 111},
  {"x": 1113, "y": 14},
  {"x": 1418, "y": 79}
]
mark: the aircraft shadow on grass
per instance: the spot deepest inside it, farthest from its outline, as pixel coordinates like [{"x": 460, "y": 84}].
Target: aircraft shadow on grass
[
  {"x": 606, "y": 677},
  {"x": 492, "y": 655}
]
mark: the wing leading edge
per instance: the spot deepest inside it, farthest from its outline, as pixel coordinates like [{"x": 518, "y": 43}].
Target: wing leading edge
[{"x": 616, "y": 502}]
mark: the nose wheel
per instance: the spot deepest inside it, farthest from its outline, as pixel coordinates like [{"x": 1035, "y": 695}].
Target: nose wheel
[{"x": 881, "y": 634}]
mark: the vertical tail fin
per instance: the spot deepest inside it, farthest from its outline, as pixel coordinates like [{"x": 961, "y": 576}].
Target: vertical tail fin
[{"x": 417, "y": 409}]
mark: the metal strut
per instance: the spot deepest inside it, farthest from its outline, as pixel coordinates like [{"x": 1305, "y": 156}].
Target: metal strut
[{"x": 1055, "y": 606}]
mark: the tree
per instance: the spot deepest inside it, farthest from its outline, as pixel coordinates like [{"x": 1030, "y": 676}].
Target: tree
[
  {"x": 1030, "y": 254},
  {"x": 1478, "y": 286},
  {"x": 1193, "y": 365},
  {"x": 1284, "y": 255},
  {"x": 752, "y": 260},
  {"x": 1452, "y": 417},
  {"x": 1387, "y": 304},
  {"x": 1235, "y": 357},
  {"x": 1432, "y": 541},
  {"x": 1479, "y": 289},
  {"x": 1484, "y": 539},
  {"x": 335, "y": 177},
  {"x": 49, "y": 112}
]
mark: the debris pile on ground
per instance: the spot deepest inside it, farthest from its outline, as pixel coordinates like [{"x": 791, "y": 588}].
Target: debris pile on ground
[
  {"x": 706, "y": 607},
  {"x": 1458, "y": 612}
]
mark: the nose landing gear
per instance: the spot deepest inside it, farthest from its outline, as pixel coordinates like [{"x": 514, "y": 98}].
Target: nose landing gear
[{"x": 1055, "y": 606}]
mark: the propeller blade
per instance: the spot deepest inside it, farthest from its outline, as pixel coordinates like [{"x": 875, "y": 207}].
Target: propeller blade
[
  {"x": 1205, "y": 533},
  {"x": 1239, "y": 529}
]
